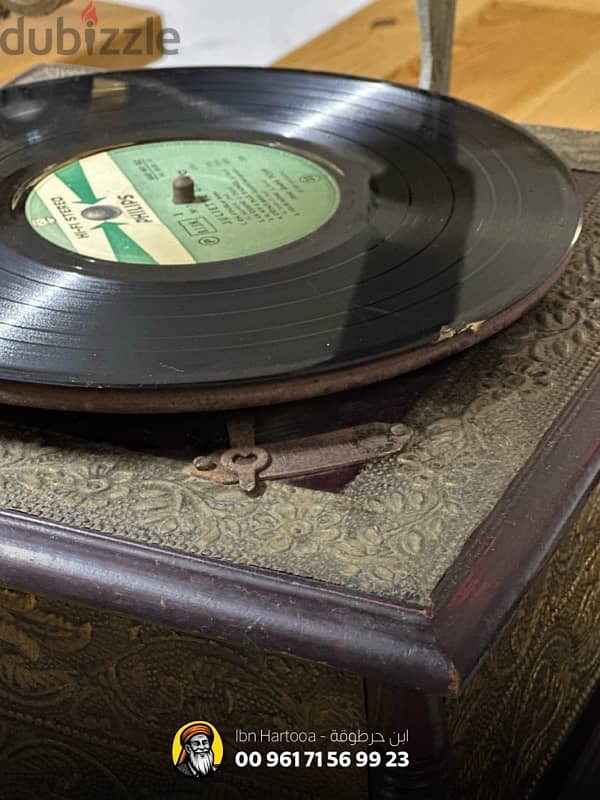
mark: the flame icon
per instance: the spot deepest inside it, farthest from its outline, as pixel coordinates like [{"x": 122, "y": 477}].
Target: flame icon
[{"x": 89, "y": 14}]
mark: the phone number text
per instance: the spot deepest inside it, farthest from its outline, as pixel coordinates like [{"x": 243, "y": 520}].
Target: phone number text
[{"x": 318, "y": 758}]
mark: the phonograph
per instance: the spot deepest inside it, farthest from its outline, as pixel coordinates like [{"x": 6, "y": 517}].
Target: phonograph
[
  {"x": 306, "y": 366},
  {"x": 204, "y": 241}
]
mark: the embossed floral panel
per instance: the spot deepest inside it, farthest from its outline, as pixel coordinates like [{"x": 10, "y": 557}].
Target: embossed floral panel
[{"x": 90, "y": 702}]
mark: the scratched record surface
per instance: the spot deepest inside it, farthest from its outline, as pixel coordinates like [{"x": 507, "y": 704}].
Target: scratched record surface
[{"x": 343, "y": 231}]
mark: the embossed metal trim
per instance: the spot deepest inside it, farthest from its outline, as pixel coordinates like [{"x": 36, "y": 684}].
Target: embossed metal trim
[
  {"x": 432, "y": 651},
  {"x": 105, "y": 694}
]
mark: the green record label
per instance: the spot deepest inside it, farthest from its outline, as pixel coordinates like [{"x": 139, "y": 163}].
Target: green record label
[{"x": 117, "y": 205}]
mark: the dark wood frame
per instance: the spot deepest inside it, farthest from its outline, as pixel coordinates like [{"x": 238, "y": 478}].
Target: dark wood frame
[{"x": 431, "y": 649}]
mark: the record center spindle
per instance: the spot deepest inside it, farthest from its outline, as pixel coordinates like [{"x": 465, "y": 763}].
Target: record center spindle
[{"x": 184, "y": 190}]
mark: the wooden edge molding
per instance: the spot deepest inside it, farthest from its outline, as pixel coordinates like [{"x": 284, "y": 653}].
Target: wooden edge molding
[
  {"x": 254, "y": 607},
  {"x": 475, "y": 599}
]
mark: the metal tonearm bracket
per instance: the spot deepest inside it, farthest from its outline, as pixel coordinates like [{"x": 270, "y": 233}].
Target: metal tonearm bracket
[{"x": 246, "y": 464}]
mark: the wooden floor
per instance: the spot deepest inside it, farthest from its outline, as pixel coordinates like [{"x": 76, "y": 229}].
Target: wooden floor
[{"x": 535, "y": 61}]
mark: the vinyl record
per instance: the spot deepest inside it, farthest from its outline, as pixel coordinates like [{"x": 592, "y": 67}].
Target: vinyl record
[{"x": 337, "y": 222}]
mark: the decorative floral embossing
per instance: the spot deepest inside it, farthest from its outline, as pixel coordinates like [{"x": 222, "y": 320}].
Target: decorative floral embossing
[
  {"x": 288, "y": 527},
  {"x": 130, "y": 688},
  {"x": 27, "y": 634},
  {"x": 96, "y": 485}
]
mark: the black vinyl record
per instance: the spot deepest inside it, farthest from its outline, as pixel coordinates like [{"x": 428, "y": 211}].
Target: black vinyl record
[{"x": 337, "y": 221}]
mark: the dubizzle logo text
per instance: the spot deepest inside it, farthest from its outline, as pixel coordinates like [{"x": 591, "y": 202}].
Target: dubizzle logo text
[{"x": 150, "y": 39}]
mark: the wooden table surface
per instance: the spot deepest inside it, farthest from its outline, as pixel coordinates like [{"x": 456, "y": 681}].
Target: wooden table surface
[{"x": 534, "y": 61}]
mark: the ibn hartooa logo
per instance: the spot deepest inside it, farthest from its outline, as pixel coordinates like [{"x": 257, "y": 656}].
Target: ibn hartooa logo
[
  {"x": 59, "y": 36},
  {"x": 197, "y": 750}
]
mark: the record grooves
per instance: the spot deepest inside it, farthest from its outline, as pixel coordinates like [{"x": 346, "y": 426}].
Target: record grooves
[{"x": 343, "y": 231}]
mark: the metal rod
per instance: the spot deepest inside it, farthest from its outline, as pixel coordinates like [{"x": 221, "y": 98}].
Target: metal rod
[{"x": 436, "y": 18}]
